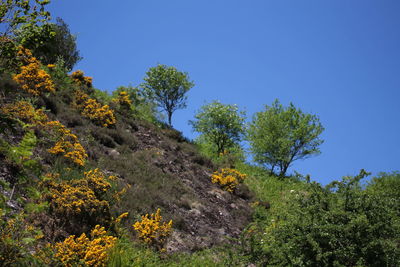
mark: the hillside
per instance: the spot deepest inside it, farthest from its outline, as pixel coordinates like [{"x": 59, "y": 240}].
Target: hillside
[
  {"x": 154, "y": 165},
  {"x": 96, "y": 178}
]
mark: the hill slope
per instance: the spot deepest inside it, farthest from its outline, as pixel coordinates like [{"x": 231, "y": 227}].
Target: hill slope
[{"x": 156, "y": 168}]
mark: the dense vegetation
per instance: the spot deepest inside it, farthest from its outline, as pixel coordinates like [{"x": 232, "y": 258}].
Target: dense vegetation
[{"x": 89, "y": 178}]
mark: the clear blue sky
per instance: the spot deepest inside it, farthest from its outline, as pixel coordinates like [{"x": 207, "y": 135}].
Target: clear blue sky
[{"x": 338, "y": 59}]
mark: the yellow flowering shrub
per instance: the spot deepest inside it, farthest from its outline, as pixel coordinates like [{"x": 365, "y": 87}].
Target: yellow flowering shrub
[
  {"x": 123, "y": 100},
  {"x": 96, "y": 112},
  {"x": 24, "y": 111},
  {"x": 79, "y": 78},
  {"x": 228, "y": 179},
  {"x": 32, "y": 78},
  {"x": 81, "y": 196},
  {"x": 96, "y": 180},
  {"x": 73, "y": 151},
  {"x": 121, "y": 217},
  {"x": 100, "y": 114},
  {"x": 85, "y": 251},
  {"x": 25, "y": 57},
  {"x": 151, "y": 230},
  {"x": 60, "y": 129},
  {"x": 67, "y": 144},
  {"x": 75, "y": 200}
]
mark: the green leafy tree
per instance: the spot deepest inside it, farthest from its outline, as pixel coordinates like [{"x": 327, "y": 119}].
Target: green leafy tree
[
  {"x": 14, "y": 13},
  {"x": 220, "y": 125},
  {"x": 50, "y": 42},
  {"x": 278, "y": 136},
  {"x": 167, "y": 87}
]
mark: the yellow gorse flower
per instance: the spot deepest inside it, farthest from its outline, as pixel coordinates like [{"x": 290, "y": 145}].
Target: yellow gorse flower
[
  {"x": 123, "y": 100},
  {"x": 32, "y": 78},
  {"x": 93, "y": 251},
  {"x": 120, "y": 217},
  {"x": 24, "y": 111},
  {"x": 90, "y": 108},
  {"x": 151, "y": 230},
  {"x": 82, "y": 196},
  {"x": 67, "y": 144},
  {"x": 228, "y": 179},
  {"x": 79, "y": 78}
]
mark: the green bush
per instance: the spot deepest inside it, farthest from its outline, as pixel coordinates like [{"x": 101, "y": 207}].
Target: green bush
[
  {"x": 340, "y": 224},
  {"x": 50, "y": 42}
]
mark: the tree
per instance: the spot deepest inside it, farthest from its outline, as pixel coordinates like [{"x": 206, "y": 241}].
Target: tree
[
  {"x": 167, "y": 87},
  {"x": 50, "y": 42},
  {"x": 278, "y": 136},
  {"x": 14, "y": 13},
  {"x": 221, "y": 125}
]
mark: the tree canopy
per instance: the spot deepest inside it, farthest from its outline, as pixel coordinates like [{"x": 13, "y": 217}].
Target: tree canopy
[
  {"x": 50, "y": 42},
  {"x": 167, "y": 87},
  {"x": 278, "y": 136},
  {"x": 221, "y": 125},
  {"x": 14, "y": 13}
]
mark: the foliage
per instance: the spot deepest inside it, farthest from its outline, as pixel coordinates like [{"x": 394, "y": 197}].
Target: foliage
[
  {"x": 79, "y": 78},
  {"x": 33, "y": 79},
  {"x": 220, "y": 125},
  {"x": 67, "y": 144},
  {"x": 228, "y": 179},
  {"x": 278, "y": 136},
  {"x": 25, "y": 112},
  {"x": 80, "y": 198},
  {"x": 58, "y": 72},
  {"x": 21, "y": 154},
  {"x": 100, "y": 114},
  {"x": 167, "y": 86},
  {"x": 14, "y": 13},
  {"x": 50, "y": 42},
  {"x": 102, "y": 96},
  {"x": 135, "y": 95},
  {"x": 337, "y": 225},
  {"x": 228, "y": 158},
  {"x": 16, "y": 239},
  {"x": 8, "y": 55},
  {"x": 75, "y": 200},
  {"x": 73, "y": 151},
  {"x": 151, "y": 230},
  {"x": 123, "y": 100},
  {"x": 84, "y": 251},
  {"x": 127, "y": 253},
  {"x": 14, "y": 56}
]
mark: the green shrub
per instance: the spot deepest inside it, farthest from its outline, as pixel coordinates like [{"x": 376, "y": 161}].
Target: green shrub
[{"x": 337, "y": 225}]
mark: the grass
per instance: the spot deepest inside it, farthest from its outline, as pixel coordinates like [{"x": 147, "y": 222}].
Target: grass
[{"x": 127, "y": 253}]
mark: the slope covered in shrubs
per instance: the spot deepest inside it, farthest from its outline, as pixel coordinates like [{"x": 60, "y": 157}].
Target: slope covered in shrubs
[
  {"x": 78, "y": 162},
  {"x": 93, "y": 179}
]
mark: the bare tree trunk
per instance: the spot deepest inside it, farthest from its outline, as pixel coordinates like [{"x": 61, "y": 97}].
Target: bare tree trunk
[{"x": 170, "y": 118}]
